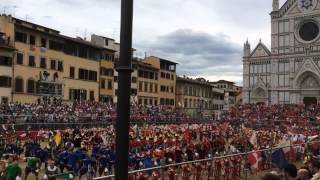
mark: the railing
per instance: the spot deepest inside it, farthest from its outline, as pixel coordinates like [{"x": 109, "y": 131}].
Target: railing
[
  {"x": 22, "y": 122},
  {"x": 209, "y": 161}
]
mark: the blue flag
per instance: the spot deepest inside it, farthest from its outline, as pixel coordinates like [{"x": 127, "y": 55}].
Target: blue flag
[{"x": 279, "y": 158}]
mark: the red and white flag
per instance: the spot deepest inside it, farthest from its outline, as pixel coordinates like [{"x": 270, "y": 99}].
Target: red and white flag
[{"x": 254, "y": 158}]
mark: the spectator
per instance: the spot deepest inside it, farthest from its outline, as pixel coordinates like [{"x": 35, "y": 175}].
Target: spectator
[
  {"x": 13, "y": 171},
  {"x": 270, "y": 176},
  {"x": 2, "y": 170},
  {"x": 315, "y": 169},
  {"x": 303, "y": 174},
  {"x": 290, "y": 172}
]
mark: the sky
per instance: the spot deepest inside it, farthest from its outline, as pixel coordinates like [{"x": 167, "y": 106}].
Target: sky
[{"x": 204, "y": 36}]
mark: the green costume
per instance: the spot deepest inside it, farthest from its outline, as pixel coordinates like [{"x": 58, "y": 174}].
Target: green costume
[
  {"x": 13, "y": 170},
  {"x": 32, "y": 163}
]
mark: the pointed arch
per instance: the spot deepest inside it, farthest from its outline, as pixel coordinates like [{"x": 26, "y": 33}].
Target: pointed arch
[
  {"x": 260, "y": 93},
  {"x": 307, "y": 79}
]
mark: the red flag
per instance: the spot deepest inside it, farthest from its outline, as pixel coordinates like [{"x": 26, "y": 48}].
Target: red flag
[{"x": 254, "y": 159}]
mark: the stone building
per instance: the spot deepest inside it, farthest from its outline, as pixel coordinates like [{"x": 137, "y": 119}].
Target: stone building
[
  {"x": 198, "y": 97},
  {"x": 38, "y": 62},
  {"x": 289, "y": 72}
]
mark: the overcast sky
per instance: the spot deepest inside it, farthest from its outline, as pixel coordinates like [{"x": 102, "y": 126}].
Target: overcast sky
[{"x": 204, "y": 36}]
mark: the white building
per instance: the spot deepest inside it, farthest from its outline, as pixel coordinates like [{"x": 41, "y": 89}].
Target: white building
[{"x": 290, "y": 71}]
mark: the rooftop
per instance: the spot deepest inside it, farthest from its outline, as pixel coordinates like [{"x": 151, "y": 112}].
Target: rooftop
[{"x": 52, "y": 32}]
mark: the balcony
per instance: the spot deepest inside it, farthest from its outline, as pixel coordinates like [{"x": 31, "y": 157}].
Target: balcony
[{"x": 5, "y": 42}]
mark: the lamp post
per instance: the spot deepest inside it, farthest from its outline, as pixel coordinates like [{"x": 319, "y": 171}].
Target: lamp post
[{"x": 123, "y": 106}]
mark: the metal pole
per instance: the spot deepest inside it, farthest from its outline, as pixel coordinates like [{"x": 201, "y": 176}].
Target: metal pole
[{"x": 123, "y": 109}]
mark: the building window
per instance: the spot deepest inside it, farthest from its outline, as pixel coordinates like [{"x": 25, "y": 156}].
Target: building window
[
  {"x": 5, "y": 61},
  {"x": 5, "y": 81},
  {"x": 53, "y": 65},
  {"x": 54, "y": 45},
  {"x": 19, "y": 58},
  {"x": 162, "y": 101},
  {"x": 115, "y": 79},
  {"x": 163, "y": 75},
  {"x": 167, "y": 76},
  {"x": 171, "y": 102},
  {"x": 21, "y": 37},
  {"x": 167, "y": 102},
  {"x": 32, "y": 62},
  {"x": 77, "y": 94},
  {"x": 87, "y": 75},
  {"x": 103, "y": 84},
  {"x": 32, "y": 40},
  {"x": 72, "y": 72},
  {"x": 106, "y": 72},
  {"x": 30, "y": 86},
  {"x": 139, "y": 101},
  {"x": 145, "y": 101},
  {"x": 163, "y": 88},
  {"x": 93, "y": 76},
  {"x": 106, "y": 42},
  {"x": 92, "y": 96},
  {"x": 151, "y": 87},
  {"x": 150, "y": 101},
  {"x": 4, "y": 100},
  {"x": 110, "y": 84},
  {"x": 145, "y": 87},
  {"x": 43, "y": 42},
  {"x": 43, "y": 63},
  {"x": 134, "y": 80},
  {"x": 155, "y": 102},
  {"x": 60, "y": 66},
  {"x": 18, "y": 87},
  {"x": 156, "y": 88},
  {"x": 172, "y": 89},
  {"x": 140, "y": 86}
]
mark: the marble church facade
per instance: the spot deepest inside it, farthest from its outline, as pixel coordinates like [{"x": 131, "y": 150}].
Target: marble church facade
[{"x": 289, "y": 72}]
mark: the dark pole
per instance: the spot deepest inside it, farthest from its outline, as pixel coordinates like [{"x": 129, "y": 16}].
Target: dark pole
[{"x": 123, "y": 110}]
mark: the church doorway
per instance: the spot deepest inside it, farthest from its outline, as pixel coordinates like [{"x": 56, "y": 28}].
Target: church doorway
[{"x": 309, "y": 101}]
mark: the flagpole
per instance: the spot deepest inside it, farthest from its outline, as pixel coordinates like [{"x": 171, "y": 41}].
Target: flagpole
[{"x": 123, "y": 106}]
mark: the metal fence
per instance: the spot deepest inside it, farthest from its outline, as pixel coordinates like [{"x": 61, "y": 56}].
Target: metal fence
[
  {"x": 22, "y": 122},
  {"x": 206, "y": 169}
]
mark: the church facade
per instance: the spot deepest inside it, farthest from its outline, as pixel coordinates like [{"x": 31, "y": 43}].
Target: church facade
[{"x": 289, "y": 72}]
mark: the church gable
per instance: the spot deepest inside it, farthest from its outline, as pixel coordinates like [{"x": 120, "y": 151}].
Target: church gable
[
  {"x": 290, "y": 6},
  {"x": 294, "y": 7},
  {"x": 260, "y": 51},
  {"x": 293, "y": 10}
]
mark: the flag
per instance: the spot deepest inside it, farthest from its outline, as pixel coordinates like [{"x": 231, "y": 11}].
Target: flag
[
  {"x": 254, "y": 159},
  {"x": 253, "y": 139},
  {"x": 279, "y": 158},
  {"x": 57, "y": 138}
]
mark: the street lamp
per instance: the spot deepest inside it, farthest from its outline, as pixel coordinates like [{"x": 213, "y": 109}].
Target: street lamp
[{"x": 123, "y": 106}]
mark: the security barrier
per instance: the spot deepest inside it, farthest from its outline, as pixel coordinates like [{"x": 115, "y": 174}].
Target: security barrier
[{"x": 228, "y": 167}]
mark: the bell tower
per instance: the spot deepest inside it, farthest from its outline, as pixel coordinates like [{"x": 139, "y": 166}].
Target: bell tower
[{"x": 275, "y": 5}]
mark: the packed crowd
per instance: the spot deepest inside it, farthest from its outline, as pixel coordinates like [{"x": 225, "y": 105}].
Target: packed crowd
[
  {"x": 290, "y": 113},
  {"x": 90, "y": 152},
  {"x": 83, "y": 112}
]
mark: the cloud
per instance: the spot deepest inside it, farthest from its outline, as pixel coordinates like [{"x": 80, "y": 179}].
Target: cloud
[{"x": 198, "y": 53}]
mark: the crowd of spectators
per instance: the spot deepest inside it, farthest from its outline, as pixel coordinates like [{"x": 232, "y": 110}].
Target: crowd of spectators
[
  {"x": 267, "y": 113},
  {"x": 85, "y": 111}
]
